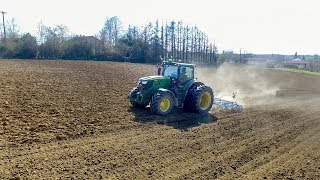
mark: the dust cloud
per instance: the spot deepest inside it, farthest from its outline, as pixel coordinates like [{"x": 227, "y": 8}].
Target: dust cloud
[{"x": 246, "y": 85}]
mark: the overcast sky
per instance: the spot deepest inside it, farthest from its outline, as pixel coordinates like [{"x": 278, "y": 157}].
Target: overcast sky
[{"x": 257, "y": 26}]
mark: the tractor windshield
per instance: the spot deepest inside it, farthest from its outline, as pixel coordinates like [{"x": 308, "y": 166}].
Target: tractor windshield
[{"x": 171, "y": 71}]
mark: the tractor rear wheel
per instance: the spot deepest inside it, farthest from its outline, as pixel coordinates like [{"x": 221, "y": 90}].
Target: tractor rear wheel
[
  {"x": 199, "y": 99},
  {"x": 162, "y": 103},
  {"x": 133, "y": 95}
]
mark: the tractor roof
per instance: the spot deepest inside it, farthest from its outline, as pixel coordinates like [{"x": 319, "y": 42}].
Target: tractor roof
[{"x": 177, "y": 64}]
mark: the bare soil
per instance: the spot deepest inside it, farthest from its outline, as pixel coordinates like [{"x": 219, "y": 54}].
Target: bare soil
[{"x": 72, "y": 119}]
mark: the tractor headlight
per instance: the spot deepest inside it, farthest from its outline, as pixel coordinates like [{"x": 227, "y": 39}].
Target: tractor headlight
[
  {"x": 142, "y": 83},
  {"x": 145, "y": 84}
]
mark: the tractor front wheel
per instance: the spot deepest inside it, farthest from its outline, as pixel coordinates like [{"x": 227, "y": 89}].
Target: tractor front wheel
[
  {"x": 162, "y": 103},
  {"x": 133, "y": 95}
]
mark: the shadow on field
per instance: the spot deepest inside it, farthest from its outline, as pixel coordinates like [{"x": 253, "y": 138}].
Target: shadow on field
[{"x": 177, "y": 119}]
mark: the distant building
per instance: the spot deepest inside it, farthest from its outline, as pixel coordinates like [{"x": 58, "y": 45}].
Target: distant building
[
  {"x": 298, "y": 63},
  {"x": 94, "y": 42},
  {"x": 265, "y": 62},
  {"x": 257, "y": 61}
]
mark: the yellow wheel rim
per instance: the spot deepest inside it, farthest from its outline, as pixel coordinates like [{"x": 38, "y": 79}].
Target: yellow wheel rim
[
  {"x": 164, "y": 104},
  {"x": 205, "y": 100}
]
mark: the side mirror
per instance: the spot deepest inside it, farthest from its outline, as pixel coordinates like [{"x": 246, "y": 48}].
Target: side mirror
[{"x": 174, "y": 81}]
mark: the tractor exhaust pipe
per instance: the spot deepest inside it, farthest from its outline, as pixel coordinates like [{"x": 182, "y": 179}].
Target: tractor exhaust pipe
[{"x": 159, "y": 66}]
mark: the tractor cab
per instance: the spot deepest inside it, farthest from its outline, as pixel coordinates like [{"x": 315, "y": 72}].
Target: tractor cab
[
  {"x": 182, "y": 77},
  {"x": 179, "y": 73}
]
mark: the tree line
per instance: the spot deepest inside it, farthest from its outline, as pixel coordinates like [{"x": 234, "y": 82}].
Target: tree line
[{"x": 152, "y": 43}]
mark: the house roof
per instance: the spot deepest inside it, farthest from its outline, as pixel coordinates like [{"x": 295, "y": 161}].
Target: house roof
[{"x": 298, "y": 61}]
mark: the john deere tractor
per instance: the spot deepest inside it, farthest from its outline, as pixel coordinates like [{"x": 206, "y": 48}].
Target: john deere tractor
[{"x": 174, "y": 86}]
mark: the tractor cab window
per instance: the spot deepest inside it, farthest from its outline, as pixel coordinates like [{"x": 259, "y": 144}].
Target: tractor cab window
[
  {"x": 170, "y": 71},
  {"x": 186, "y": 73}
]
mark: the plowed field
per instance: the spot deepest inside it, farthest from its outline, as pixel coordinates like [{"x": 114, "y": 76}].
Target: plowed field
[{"x": 72, "y": 119}]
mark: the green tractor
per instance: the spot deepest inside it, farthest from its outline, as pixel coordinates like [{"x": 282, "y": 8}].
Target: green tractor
[{"x": 174, "y": 86}]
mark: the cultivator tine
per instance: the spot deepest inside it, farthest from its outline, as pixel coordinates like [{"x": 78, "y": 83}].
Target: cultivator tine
[{"x": 227, "y": 105}]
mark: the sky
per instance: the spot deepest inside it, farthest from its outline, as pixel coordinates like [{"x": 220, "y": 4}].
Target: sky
[{"x": 254, "y": 26}]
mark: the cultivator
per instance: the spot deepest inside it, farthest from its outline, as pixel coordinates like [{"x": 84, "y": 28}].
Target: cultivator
[{"x": 227, "y": 105}]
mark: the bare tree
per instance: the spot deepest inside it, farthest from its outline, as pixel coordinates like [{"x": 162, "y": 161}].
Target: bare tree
[
  {"x": 13, "y": 30},
  {"x": 187, "y": 44},
  {"x": 179, "y": 41},
  {"x": 192, "y": 43},
  {"x": 162, "y": 41},
  {"x": 166, "y": 41},
  {"x": 173, "y": 37},
  {"x": 41, "y": 28},
  {"x": 111, "y": 31}
]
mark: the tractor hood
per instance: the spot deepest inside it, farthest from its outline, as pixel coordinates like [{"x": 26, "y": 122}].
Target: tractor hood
[
  {"x": 148, "y": 78},
  {"x": 154, "y": 82}
]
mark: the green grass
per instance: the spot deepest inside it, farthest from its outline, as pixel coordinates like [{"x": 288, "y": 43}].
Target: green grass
[{"x": 303, "y": 71}]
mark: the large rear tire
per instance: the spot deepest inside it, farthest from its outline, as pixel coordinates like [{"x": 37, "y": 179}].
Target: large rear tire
[
  {"x": 162, "y": 103},
  {"x": 133, "y": 95},
  {"x": 199, "y": 99}
]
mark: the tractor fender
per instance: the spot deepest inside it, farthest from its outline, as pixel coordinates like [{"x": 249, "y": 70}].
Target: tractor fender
[
  {"x": 170, "y": 92},
  {"x": 195, "y": 84},
  {"x": 174, "y": 97},
  {"x": 166, "y": 90}
]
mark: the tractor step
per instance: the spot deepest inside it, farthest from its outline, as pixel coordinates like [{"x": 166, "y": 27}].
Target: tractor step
[{"x": 180, "y": 97}]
